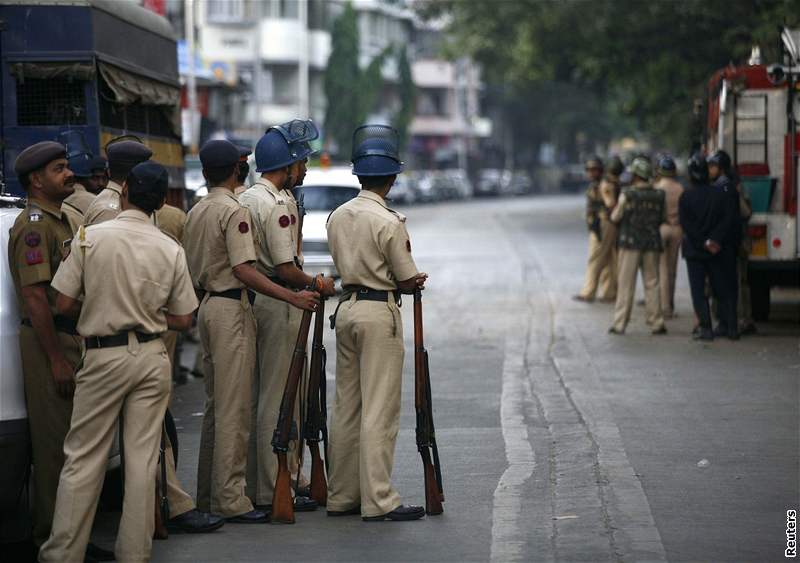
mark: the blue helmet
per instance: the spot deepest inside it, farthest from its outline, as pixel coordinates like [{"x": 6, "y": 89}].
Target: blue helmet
[
  {"x": 666, "y": 166},
  {"x": 79, "y": 157},
  {"x": 375, "y": 151},
  {"x": 299, "y": 132},
  {"x": 273, "y": 150}
]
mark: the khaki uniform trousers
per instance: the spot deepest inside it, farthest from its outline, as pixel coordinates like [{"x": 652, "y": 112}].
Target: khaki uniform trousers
[
  {"x": 366, "y": 411},
  {"x": 671, "y": 237},
  {"x": 601, "y": 268},
  {"x": 228, "y": 332},
  {"x": 629, "y": 263},
  {"x": 48, "y": 417},
  {"x": 134, "y": 381},
  {"x": 277, "y": 325}
]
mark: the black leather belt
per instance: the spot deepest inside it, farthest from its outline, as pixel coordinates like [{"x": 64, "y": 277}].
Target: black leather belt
[
  {"x": 62, "y": 324},
  {"x": 235, "y": 294},
  {"x": 279, "y": 281},
  {"x": 367, "y": 294},
  {"x": 117, "y": 340}
]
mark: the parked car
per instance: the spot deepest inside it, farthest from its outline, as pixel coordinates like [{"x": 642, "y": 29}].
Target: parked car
[
  {"x": 521, "y": 183},
  {"x": 460, "y": 186},
  {"x": 492, "y": 182},
  {"x": 424, "y": 182},
  {"x": 574, "y": 178},
  {"x": 403, "y": 191},
  {"x": 323, "y": 190}
]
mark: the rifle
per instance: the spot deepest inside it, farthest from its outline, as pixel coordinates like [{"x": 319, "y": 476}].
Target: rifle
[
  {"x": 162, "y": 504},
  {"x": 282, "y": 502},
  {"x": 426, "y": 435},
  {"x": 315, "y": 428}
]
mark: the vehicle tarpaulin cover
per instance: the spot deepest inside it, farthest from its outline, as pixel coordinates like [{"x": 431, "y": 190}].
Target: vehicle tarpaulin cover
[
  {"x": 129, "y": 88},
  {"x": 50, "y": 70}
]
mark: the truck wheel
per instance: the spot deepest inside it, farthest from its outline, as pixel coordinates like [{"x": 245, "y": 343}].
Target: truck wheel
[{"x": 759, "y": 298}]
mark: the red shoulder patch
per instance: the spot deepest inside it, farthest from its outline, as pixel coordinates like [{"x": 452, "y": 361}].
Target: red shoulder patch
[
  {"x": 408, "y": 245},
  {"x": 294, "y": 219},
  {"x": 33, "y": 238},
  {"x": 244, "y": 227},
  {"x": 33, "y": 257},
  {"x": 283, "y": 221}
]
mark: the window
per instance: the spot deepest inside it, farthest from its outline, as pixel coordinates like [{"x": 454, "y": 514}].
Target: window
[
  {"x": 432, "y": 102},
  {"x": 135, "y": 117},
  {"x": 51, "y": 101},
  {"x": 225, "y": 11},
  {"x": 751, "y": 129}
]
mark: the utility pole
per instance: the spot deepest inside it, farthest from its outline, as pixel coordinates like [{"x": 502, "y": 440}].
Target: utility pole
[
  {"x": 191, "y": 84},
  {"x": 303, "y": 109}
]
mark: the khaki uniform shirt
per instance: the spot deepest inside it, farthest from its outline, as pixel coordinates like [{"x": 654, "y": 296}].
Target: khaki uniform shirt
[
  {"x": 105, "y": 206},
  {"x": 240, "y": 190},
  {"x": 672, "y": 193},
  {"x": 130, "y": 273},
  {"x": 75, "y": 206},
  {"x": 37, "y": 243},
  {"x": 294, "y": 215},
  {"x": 608, "y": 193},
  {"x": 218, "y": 237},
  {"x": 171, "y": 221},
  {"x": 369, "y": 243},
  {"x": 273, "y": 222}
]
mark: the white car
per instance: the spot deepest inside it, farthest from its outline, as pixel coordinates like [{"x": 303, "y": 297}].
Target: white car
[{"x": 324, "y": 189}]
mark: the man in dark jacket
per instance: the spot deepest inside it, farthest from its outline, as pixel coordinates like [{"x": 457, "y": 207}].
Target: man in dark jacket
[
  {"x": 728, "y": 235},
  {"x": 702, "y": 215}
]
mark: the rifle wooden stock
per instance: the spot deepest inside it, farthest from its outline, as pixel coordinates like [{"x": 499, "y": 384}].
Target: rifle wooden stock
[
  {"x": 426, "y": 435},
  {"x": 282, "y": 502},
  {"x": 315, "y": 427}
]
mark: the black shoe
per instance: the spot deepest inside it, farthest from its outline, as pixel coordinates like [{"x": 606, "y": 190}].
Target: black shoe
[
  {"x": 398, "y": 514},
  {"x": 732, "y": 335},
  {"x": 252, "y": 517},
  {"x": 305, "y": 504},
  {"x": 613, "y": 330},
  {"x": 94, "y": 553},
  {"x": 195, "y": 522},
  {"x": 661, "y": 330},
  {"x": 748, "y": 329},
  {"x": 721, "y": 330},
  {"x": 697, "y": 330},
  {"x": 350, "y": 512},
  {"x": 703, "y": 334},
  {"x": 303, "y": 491}
]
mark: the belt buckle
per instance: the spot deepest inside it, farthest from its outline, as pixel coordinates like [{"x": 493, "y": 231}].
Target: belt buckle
[
  {"x": 363, "y": 290},
  {"x": 94, "y": 340}
]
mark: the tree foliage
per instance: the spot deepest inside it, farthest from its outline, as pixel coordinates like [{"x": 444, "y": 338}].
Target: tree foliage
[
  {"x": 638, "y": 62},
  {"x": 408, "y": 92}
]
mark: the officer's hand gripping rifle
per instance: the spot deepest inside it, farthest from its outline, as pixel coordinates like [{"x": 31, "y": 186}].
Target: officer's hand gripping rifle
[
  {"x": 315, "y": 428},
  {"x": 282, "y": 502},
  {"x": 426, "y": 435}
]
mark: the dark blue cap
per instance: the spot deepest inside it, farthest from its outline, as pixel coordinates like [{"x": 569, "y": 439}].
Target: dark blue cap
[
  {"x": 129, "y": 152},
  {"x": 219, "y": 154},
  {"x": 98, "y": 163},
  {"x": 36, "y": 156},
  {"x": 244, "y": 152},
  {"x": 148, "y": 176}
]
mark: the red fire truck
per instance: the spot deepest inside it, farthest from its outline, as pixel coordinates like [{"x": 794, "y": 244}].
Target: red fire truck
[{"x": 752, "y": 114}]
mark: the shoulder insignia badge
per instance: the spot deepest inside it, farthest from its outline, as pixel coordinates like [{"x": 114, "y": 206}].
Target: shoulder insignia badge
[
  {"x": 33, "y": 238},
  {"x": 33, "y": 257},
  {"x": 284, "y": 221},
  {"x": 244, "y": 227},
  {"x": 35, "y": 216}
]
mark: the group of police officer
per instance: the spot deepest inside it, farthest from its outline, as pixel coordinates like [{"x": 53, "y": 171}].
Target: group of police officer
[
  {"x": 106, "y": 282},
  {"x": 641, "y": 225}
]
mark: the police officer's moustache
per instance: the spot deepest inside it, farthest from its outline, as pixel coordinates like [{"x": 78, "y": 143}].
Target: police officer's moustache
[{"x": 376, "y": 151}]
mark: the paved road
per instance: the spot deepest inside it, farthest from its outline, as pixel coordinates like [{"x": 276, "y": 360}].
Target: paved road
[{"x": 558, "y": 441}]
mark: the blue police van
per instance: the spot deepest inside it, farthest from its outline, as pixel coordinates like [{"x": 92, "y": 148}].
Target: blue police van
[{"x": 102, "y": 67}]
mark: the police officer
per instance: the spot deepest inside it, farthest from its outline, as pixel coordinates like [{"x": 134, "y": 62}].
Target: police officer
[
  {"x": 244, "y": 170},
  {"x": 598, "y": 253},
  {"x": 277, "y": 321},
  {"x": 221, "y": 252},
  {"x": 701, "y": 210},
  {"x": 123, "y": 155},
  {"x": 50, "y": 346},
  {"x": 372, "y": 252},
  {"x": 136, "y": 284},
  {"x": 79, "y": 161},
  {"x": 671, "y": 233},
  {"x": 639, "y": 214},
  {"x": 98, "y": 181},
  {"x": 183, "y": 514},
  {"x": 723, "y": 178},
  {"x": 601, "y": 198}
]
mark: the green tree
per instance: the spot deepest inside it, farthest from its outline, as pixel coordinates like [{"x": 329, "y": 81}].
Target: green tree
[
  {"x": 351, "y": 92},
  {"x": 408, "y": 94}
]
